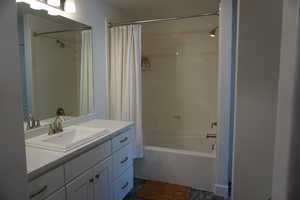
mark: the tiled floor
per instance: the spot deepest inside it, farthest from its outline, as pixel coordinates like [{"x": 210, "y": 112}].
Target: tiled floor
[{"x": 195, "y": 194}]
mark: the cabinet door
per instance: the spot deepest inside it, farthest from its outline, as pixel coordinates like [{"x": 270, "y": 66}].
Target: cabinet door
[
  {"x": 82, "y": 187},
  {"x": 60, "y": 195},
  {"x": 103, "y": 180}
]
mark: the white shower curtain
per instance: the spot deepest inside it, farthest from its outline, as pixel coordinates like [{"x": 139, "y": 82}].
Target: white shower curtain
[
  {"x": 125, "y": 79},
  {"x": 86, "y": 74}
]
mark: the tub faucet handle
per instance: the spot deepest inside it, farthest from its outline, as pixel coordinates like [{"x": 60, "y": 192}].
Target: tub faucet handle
[{"x": 213, "y": 124}]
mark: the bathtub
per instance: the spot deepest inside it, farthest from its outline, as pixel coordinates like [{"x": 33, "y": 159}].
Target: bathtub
[{"x": 183, "y": 160}]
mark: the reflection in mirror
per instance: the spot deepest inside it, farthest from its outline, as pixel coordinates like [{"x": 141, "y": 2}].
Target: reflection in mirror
[{"x": 56, "y": 65}]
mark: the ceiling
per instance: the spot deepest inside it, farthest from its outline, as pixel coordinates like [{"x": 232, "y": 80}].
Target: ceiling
[{"x": 149, "y": 9}]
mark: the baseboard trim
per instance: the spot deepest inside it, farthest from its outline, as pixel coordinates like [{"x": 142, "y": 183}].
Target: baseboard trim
[{"x": 221, "y": 190}]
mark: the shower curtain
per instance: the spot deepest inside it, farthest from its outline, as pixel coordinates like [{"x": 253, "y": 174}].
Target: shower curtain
[
  {"x": 86, "y": 74},
  {"x": 125, "y": 79}
]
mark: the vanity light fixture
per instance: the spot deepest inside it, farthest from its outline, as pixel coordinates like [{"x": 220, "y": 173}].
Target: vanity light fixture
[
  {"x": 39, "y": 5},
  {"x": 70, "y": 6}
]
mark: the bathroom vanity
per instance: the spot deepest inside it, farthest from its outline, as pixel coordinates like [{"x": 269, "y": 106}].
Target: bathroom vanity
[
  {"x": 89, "y": 160},
  {"x": 101, "y": 169}
]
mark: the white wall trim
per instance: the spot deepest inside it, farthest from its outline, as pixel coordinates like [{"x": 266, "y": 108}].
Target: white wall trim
[{"x": 221, "y": 190}]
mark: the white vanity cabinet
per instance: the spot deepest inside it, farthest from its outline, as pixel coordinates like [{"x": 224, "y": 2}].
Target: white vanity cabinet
[
  {"x": 104, "y": 172},
  {"x": 103, "y": 180},
  {"x": 122, "y": 165},
  {"x": 82, "y": 187},
  {"x": 45, "y": 185},
  {"x": 95, "y": 184}
]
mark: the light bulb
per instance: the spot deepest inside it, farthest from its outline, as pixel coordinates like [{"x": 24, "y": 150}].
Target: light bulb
[
  {"x": 35, "y": 5},
  {"x": 213, "y": 33},
  {"x": 38, "y": 5},
  {"x": 70, "y": 6},
  {"x": 55, "y": 3}
]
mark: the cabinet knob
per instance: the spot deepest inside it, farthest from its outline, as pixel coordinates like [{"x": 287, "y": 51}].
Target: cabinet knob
[
  {"x": 91, "y": 180},
  {"x": 97, "y": 176}
]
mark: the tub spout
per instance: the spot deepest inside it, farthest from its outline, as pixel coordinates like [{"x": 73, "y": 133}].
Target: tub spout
[{"x": 211, "y": 135}]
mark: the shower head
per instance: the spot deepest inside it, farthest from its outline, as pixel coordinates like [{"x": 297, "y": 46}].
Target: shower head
[
  {"x": 60, "y": 43},
  {"x": 213, "y": 32}
]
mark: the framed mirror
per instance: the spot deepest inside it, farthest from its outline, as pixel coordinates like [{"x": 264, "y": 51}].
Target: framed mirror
[{"x": 56, "y": 66}]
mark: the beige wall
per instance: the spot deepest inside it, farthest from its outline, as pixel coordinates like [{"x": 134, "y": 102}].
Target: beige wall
[
  {"x": 259, "y": 40},
  {"x": 183, "y": 80}
]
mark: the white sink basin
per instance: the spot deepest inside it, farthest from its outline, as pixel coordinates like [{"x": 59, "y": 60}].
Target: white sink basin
[{"x": 67, "y": 140}]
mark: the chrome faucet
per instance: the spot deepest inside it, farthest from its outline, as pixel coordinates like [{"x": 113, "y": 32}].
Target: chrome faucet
[
  {"x": 31, "y": 122},
  {"x": 57, "y": 125}
]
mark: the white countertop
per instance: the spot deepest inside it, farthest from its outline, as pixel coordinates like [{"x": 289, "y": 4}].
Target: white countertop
[{"x": 40, "y": 161}]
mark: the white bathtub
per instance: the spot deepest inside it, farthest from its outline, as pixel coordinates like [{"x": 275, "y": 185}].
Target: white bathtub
[
  {"x": 189, "y": 143},
  {"x": 164, "y": 160}
]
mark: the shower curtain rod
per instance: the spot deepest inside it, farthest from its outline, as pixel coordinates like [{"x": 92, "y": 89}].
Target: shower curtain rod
[
  {"x": 162, "y": 19},
  {"x": 61, "y": 31}
]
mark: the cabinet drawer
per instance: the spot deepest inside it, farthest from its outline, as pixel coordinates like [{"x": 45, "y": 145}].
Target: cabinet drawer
[
  {"x": 123, "y": 185},
  {"x": 122, "y": 140},
  {"x": 60, "y": 195},
  {"x": 87, "y": 160},
  {"x": 46, "y": 184},
  {"x": 122, "y": 160}
]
